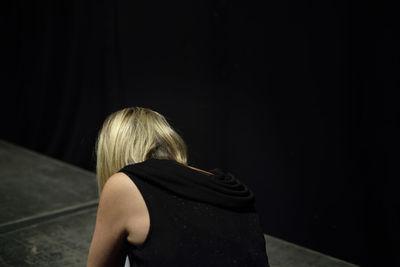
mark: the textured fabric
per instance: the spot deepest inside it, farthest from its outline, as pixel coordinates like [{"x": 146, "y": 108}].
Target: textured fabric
[{"x": 196, "y": 219}]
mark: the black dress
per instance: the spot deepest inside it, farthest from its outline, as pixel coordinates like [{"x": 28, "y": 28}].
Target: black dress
[{"x": 196, "y": 219}]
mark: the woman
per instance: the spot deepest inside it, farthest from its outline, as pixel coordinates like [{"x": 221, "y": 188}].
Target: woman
[{"x": 159, "y": 211}]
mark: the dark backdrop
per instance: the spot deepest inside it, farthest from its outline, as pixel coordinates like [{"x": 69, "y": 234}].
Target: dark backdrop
[{"x": 294, "y": 97}]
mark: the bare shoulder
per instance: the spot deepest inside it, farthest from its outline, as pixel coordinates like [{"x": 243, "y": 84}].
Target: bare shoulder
[
  {"x": 112, "y": 221},
  {"x": 119, "y": 192},
  {"x": 117, "y": 182},
  {"x": 127, "y": 207},
  {"x": 120, "y": 189}
]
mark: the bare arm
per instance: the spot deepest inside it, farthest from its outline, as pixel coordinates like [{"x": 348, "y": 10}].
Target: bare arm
[{"x": 107, "y": 246}]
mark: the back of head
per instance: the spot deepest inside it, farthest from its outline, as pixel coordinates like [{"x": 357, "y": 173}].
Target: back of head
[{"x": 133, "y": 135}]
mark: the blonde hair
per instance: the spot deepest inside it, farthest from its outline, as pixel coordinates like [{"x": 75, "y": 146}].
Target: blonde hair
[{"x": 133, "y": 135}]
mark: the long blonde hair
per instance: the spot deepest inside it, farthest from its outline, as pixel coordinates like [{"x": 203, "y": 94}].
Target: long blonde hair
[{"x": 133, "y": 135}]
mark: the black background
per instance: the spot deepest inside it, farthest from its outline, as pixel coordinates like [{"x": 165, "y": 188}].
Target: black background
[{"x": 297, "y": 98}]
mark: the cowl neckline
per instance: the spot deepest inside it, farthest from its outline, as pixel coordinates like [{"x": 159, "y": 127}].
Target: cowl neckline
[{"x": 219, "y": 189}]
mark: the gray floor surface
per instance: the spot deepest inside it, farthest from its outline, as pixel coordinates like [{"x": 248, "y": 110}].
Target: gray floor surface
[{"x": 46, "y": 220}]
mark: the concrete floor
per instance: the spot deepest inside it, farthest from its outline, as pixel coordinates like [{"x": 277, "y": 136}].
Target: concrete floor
[{"x": 46, "y": 220}]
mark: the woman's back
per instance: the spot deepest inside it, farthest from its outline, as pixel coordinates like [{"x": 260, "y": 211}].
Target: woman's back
[{"x": 196, "y": 227}]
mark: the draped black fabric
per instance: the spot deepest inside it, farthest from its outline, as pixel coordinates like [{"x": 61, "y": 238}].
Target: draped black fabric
[
  {"x": 220, "y": 189},
  {"x": 196, "y": 219}
]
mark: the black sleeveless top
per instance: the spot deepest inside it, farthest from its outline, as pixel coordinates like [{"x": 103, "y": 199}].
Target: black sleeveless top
[{"x": 196, "y": 219}]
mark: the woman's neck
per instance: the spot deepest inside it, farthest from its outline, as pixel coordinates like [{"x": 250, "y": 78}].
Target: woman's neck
[{"x": 205, "y": 172}]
